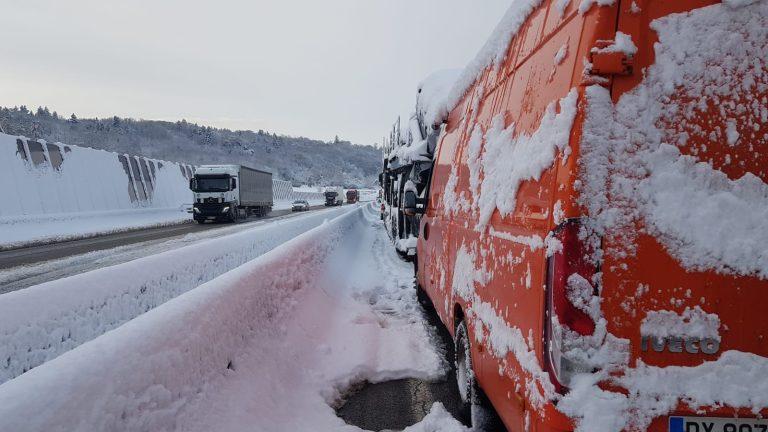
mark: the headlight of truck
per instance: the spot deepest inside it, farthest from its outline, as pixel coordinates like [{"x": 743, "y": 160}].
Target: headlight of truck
[
  {"x": 225, "y": 209},
  {"x": 196, "y": 210}
]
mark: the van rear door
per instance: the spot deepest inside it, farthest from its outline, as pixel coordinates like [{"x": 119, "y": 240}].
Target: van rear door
[{"x": 687, "y": 280}]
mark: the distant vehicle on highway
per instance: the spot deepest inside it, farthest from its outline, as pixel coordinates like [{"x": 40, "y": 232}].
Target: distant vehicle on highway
[
  {"x": 334, "y": 197},
  {"x": 353, "y": 196},
  {"x": 300, "y": 205},
  {"x": 230, "y": 193}
]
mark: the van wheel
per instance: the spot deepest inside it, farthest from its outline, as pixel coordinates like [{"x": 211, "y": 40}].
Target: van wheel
[{"x": 475, "y": 409}]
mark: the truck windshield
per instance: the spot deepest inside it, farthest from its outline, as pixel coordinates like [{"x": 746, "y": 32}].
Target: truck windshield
[{"x": 212, "y": 184}]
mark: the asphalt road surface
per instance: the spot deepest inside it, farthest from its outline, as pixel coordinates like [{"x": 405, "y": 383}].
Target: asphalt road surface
[
  {"x": 36, "y": 254},
  {"x": 397, "y": 404}
]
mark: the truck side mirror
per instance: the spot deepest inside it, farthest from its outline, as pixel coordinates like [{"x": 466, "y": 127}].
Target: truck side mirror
[
  {"x": 409, "y": 204},
  {"x": 234, "y": 184},
  {"x": 192, "y": 184}
]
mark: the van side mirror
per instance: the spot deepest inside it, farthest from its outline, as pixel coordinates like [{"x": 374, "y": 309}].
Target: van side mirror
[
  {"x": 192, "y": 184},
  {"x": 410, "y": 201},
  {"x": 234, "y": 184}
]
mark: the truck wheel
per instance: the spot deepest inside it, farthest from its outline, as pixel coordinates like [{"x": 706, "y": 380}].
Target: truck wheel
[{"x": 475, "y": 409}]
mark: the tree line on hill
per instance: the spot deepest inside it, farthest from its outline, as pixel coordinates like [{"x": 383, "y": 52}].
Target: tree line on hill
[{"x": 296, "y": 159}]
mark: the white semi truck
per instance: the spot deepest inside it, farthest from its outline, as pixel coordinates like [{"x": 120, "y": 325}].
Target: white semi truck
[{"x": 230, "y": 193}]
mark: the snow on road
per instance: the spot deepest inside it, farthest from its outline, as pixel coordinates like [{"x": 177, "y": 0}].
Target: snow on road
[
  {"x": 25, "y": 276},
  {"x": 359, "y": 320},
  {"x": 19, "y": 231},
  {"x": 41, "y": 322},
  {"x": 269, "y": 346}
]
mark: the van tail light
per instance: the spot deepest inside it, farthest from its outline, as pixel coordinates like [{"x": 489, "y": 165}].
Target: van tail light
[{"x": 565, "y": 322}]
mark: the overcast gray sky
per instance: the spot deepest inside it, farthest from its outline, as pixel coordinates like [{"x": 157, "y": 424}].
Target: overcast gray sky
[{"x": 315, "y": 68}]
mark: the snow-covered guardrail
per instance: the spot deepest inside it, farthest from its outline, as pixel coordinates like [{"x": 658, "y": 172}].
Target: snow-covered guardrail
[
  {"x": 40, "y": 323},
  {"x": 138, "y": 376}
]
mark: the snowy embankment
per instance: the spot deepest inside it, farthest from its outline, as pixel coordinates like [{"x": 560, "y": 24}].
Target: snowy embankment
[
  {"x": 40, "y": 323},
  {"x": 59, "y": 192},
  {"x": 264, "y": 347},
  {"x": 41, "y": 229}
]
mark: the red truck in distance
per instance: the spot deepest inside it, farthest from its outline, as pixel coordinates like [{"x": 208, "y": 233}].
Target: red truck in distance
[{"x": 353, "y": 196}]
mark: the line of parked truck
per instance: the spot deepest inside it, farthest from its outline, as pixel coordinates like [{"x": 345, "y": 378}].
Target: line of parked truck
[{"x": 564, "y": 222}]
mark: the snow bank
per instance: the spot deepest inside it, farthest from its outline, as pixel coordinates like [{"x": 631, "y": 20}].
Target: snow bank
[
  {"x": 40, "y": 323},
  {"x": 264, "y": 347},
  {"x": 438, "y": 420},
  {"x": 29, "y": 230}
]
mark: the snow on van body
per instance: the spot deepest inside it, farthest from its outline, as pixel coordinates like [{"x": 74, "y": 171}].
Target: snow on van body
[{"x": 669, "y": 168}]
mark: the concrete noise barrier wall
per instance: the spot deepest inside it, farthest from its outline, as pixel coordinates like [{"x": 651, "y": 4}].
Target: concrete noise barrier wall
[{"x": 50, "y": 178}]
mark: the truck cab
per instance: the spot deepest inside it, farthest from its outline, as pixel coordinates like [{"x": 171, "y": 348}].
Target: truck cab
[
  {"x": 215, "y": 193},
  {"x": 230, "y": 193},
  {"x": 353, "y": 196}
]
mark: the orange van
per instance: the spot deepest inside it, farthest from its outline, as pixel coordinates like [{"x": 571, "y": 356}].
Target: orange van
[{"x": 595, "y": 231}]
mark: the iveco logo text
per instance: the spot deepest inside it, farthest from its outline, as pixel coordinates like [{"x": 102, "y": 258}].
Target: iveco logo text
[{"x": 675, "y": 344}]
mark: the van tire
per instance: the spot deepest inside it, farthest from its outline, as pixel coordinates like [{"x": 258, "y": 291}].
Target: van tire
[{"x": 475, "y": 410}]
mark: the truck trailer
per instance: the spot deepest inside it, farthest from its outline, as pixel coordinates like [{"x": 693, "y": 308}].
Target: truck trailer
[{"x": 230, "y": 193}]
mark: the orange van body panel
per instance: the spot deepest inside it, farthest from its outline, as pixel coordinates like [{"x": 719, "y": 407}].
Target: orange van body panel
[{"x": 520, "y": 89}]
